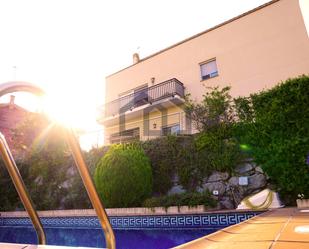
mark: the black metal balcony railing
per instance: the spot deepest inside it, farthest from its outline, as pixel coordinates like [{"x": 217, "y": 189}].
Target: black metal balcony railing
[{"x": 169, "y": 88}]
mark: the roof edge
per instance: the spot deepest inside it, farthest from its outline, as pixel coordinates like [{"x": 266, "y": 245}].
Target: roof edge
[
  {"x": 20, "y": 108},
  {"x": 198, "y": 34}
]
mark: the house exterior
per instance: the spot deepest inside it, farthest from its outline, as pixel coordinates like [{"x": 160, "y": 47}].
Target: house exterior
[
  {"x": 11, "y": 115},
  {"x": 251, "y": 52},
  {"x": 13, "y": 125}
]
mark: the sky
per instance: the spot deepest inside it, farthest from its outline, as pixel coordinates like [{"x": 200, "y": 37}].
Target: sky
[{"x": 68, "y": 47}]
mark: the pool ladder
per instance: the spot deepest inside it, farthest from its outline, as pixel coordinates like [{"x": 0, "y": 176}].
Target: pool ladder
[{"x": 73, "y": 143}]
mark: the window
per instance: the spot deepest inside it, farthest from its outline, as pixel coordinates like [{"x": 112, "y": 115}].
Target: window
[
  {"x": 209, "y": 69},
  {"x": 141, "y": 95},
  {"x": 171, "y": 130},
  {"x": 125, "y": 136}
]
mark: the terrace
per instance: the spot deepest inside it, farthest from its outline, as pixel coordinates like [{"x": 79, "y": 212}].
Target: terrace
[{"x": 141, "y": 98}]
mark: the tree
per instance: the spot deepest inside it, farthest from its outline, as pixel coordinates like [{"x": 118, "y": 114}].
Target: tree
[
  {"x": 214, "y": 118},
  {"x": 214, "y": 109}
]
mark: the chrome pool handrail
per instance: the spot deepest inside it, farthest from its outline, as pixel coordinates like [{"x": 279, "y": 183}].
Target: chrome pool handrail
[
  {"x": 80, "y": 163},
  {"x": 21, "y": 189},
  {"x": 91, "y": 190}
]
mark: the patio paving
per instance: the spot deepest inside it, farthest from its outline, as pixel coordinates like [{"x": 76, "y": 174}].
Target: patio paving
[{"x": 286, "y": 228}]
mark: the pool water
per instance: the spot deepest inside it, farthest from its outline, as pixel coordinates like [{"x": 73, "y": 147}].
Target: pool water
[
  {"x": 125, "y": 239},
  {"x": 131, "y": 232}
]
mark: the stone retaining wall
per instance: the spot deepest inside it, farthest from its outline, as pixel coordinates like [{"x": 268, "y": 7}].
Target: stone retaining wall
[{"x": 227, "y": 188}]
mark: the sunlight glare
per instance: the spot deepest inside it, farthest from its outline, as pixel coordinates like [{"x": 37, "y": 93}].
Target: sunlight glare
[
  {"x": 57, "y": 110},
  {"x": 244, "y": 147},
  {"x": 70, "y": 111}
]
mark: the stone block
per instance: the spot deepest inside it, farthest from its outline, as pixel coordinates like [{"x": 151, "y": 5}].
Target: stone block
[
  {"x": 218, "y": 176},
  {"x": 177, "y": 189},
  {"x": 259, "y": 170},
  {"x": 257, "y": 181},
  {"x": 244, "y": 168},
  {"x": 233, "y": 181},
  {"x": 219, "y": 186},
  {"x": 226, "y": 203}
]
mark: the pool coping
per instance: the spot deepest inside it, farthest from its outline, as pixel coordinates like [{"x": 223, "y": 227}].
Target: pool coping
[{"x": 174, "y": 210}]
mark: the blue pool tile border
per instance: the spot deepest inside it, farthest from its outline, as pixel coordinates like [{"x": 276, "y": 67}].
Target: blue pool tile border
[{"x": 184, "y": 221}]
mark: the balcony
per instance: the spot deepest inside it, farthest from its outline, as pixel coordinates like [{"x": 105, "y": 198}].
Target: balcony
[{"x": 146, "y": 96}]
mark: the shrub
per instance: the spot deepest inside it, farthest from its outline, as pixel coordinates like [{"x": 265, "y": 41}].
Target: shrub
[
  {"x": 190, "y": 199},
  {"x": 123, "y": 176},
  {"x": 175, "y": 156},
  {"x": 9, "y": 199},
  {"x": 214, "y": 117},
  {"x": 214, "y": 109},
  {"x": 221, "y": 149},
  {"x": 164, "y": 153},
  {"x": 194, "y": 158},
  {"x": 274, "y": 126}
]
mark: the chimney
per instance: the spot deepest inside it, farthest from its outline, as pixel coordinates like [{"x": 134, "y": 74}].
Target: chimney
[
  {"x": 135, "y": 58},
  {"x": 12, "y": 99}
]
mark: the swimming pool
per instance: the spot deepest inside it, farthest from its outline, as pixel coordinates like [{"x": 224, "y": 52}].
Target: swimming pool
[{"x": 131, "y": 232}]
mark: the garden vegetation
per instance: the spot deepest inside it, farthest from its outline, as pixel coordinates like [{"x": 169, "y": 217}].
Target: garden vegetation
[
  {"x": 123, "y": 176},
  {"x": 271, "y": 127}
]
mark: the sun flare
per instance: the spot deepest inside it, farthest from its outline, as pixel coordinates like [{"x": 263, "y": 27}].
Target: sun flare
[
  {"x": 70, "y": 111},
  {"x": 75, "y": 109}
]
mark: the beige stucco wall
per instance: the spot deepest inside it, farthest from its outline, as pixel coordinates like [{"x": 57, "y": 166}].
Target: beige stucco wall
[
  {"x": 304, "y": 6},
  {"x": 253, "y": 52},
  {"x": 173, "y": 115}
]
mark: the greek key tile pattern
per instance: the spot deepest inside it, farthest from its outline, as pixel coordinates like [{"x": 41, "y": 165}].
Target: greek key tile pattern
[{"x": 219, "y": 220}]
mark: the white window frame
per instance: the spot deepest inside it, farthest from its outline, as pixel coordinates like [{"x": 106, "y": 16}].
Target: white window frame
[{"x": 212, "y": 73}]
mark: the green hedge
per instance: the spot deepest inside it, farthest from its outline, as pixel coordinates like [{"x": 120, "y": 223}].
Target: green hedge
[
  {"x": 190, "y": 199},
  {"x": 274, "y": 128},
  {"x": 123, "y": 176}
]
